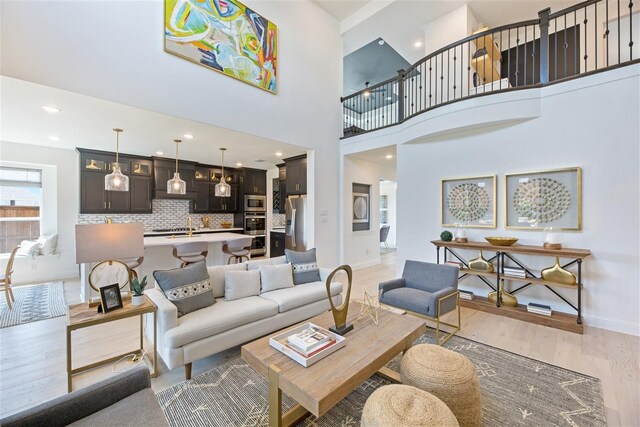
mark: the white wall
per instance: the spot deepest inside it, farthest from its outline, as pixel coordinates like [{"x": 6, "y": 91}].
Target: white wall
[
  {"x": 579, "y": 125},
  {"x": 388, "y": 188},
  {"x": 60, "y": 193},
  {"x": 114, "y": 51},
  {"x": 361, "y": 248}
]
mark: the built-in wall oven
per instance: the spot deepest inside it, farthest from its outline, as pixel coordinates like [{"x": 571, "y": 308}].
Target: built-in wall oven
[
  {"x": 255, "y": 203},
  {"x": 255, "y": 224}
]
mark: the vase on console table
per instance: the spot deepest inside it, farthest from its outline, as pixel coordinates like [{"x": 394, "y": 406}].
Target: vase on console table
[{"x": 481, "y": 264}]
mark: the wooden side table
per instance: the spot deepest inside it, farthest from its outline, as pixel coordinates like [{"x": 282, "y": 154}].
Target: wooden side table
[{"x": 82, "y": 316}]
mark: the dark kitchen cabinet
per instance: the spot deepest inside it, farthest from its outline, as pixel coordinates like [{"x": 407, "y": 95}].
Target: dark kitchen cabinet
[
  {"x": 201, "y": 203},
  {"x": 254, "y": 182},
  {"x": 276, "y": 244},
  {"x": 296, "y": 175},
  {"x": 141, "y": 188},
  {"x": 224, "y": 204},
  {"x": 163, "y": 171},
  {"x": 94, "y": 199}
]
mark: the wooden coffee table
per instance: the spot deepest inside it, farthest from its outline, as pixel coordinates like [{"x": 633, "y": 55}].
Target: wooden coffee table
[{"x": 321, "y": 386}]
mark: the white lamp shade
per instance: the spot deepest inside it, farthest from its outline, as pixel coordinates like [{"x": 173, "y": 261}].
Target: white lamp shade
[
  {"x": 223, "y": 189},
  {"x": 116, "y": 181},
  {"x": 102, "y": 242},
  {"x": 176, "y": 185}
]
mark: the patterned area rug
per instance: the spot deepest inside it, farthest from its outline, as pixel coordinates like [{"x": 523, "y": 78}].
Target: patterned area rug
[
  {"x": 33, "y": 303},
  {"x": 516, "y": 391}
]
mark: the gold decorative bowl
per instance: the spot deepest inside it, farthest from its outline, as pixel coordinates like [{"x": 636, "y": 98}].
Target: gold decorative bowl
[
  {"x": 501, "y": 241},
  {"x": 226, "y": 224}
]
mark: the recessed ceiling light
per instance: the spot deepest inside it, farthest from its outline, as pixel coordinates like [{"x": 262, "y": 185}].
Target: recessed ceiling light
[
  {"x": 279, "y": 153},
  {"x": 160, "y": 153},
  {"x": 418, "y": 43},
  {"x": 388, "y": 156},
  {"x": 381, "y": 42},
  {"x": 54, "y": 138},
  {"x": 188, "y": 136},
  {"x": 50, "y": 109},
  {"x": 238, "y": 164}
]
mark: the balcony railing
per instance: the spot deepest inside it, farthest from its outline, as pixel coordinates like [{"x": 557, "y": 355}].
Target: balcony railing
[{"x": 589, "y": 37}]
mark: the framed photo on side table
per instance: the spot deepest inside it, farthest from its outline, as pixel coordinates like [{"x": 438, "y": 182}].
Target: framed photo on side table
[
  {"x": 470, "y": 201},
  {"x": 110, "y": 297},
  {"x": 535, "y": 200}
]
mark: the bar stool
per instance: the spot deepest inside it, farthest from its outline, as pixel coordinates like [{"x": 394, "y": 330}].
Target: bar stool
[
  {"x": 238, "y": 249},
  {"x": 132, "y": 264},
  {"x": 191, "y": 252}
]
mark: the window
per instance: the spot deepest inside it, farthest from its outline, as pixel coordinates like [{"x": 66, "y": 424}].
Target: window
[
  {"x": 384, "y": 209},
  {"x": 20, "y": 206}
]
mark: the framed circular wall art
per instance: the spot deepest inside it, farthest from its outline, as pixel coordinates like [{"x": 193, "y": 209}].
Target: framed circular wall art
[
  {"x": 469, "y": 201},
  {"x": 535, "y": 200}
]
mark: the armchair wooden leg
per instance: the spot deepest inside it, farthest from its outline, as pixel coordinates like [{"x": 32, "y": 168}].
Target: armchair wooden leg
[
  {"x": 187, "y": 371},
  {"x": 6, "y": 294}
]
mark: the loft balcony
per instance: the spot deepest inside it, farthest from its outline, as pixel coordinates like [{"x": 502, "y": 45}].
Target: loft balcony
[{"x": 590, "y": 37}]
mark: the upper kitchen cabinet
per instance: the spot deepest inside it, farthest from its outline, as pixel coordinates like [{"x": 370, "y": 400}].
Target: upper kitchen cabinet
[
  {"x": 163, "y": 170},
  {"x": 296, "y": 175},
  {"x": 254, "y": 181},
  {"x": 141, "y": 189}
]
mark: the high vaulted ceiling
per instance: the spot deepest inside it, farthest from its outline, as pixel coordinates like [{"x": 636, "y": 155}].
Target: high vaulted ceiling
[{"x": 341, "y": 9}]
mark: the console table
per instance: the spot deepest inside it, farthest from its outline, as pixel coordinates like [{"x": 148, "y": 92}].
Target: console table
[{"x": 568, "y": 322}]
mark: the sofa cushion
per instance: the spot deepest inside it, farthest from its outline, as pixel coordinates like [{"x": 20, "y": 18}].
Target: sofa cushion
[
  {"x": 216, "y": 273},
  {"x": 254, "y": 265},
  {"x": 241, "y": 284},
  {"x": 218, "y": 318},
  {"x": 305, "y": 266},
  {"x": 300, "y": 295},
  {"x": 141, "y": 408},
  {"x": 274, "y": 277},
  {"x": 409, "y": 299},
  {"x": 188, "y": 288}
]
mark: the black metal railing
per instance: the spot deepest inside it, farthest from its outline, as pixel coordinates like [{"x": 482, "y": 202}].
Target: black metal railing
[{"x": 592, "y": 36}]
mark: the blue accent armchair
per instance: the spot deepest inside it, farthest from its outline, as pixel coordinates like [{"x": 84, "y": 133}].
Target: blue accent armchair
[{"x": 427, "y": 290}]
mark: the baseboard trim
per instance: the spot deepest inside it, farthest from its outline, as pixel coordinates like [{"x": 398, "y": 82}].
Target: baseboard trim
[{"x": 615, "y": 325}]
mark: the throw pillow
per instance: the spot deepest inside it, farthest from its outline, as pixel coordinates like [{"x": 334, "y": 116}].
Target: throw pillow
[
  {"x": 28, "y": 248},
  {"x": 305, "y": 266},
  {"x": 241, "y": 284},
  {"x": 47, "y": 244},
  {"x": 188, "y": 288},
  {"x": 255, "y": 265},
  {"x": 274, "y": 277},
  {"x": 217, "y": 273}
]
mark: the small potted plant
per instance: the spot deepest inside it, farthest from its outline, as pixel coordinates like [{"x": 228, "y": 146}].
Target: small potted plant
[{"x": 137, "y": 288}]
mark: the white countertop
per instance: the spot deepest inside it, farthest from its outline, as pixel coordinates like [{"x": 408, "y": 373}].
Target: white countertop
[
  {"x": 209, "y": 238},
  {"x": 195, "y": 231},
  {"x": 277, "y": 230}
]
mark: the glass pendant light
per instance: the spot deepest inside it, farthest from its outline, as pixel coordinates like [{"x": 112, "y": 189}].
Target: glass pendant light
[
  {"x": 116, "y": 181},
  {"x": 222, "y": 188},
  {"x": 176, "y": 185}
]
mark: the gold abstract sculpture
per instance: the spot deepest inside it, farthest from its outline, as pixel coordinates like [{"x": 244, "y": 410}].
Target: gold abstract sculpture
[
  {"x": 558, "y": 274},
  {"x": 370, "y": 306},
  {"x": 481, "y": 264},
  {"x": 340, "y": 313},
  {"x": 506, "y": 299}
]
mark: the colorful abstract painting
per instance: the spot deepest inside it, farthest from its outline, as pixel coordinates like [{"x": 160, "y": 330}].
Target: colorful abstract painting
[{"x": 224, "y": 35}]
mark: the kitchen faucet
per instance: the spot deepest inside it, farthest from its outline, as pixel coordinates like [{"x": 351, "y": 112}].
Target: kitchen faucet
[{"x": 190, "y": 225}]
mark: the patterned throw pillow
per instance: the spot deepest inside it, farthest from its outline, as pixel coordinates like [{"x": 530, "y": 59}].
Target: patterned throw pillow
[
  {"x": 305, "y": 266},
  {"x": 188, "y": 288}
]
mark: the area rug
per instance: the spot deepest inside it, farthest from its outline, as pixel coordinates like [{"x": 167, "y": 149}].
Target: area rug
[
  {"x": 33, "y": 303},
  {"x": 516, "y": 391}
]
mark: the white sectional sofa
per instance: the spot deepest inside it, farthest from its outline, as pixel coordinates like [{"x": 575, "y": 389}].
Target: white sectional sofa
[{"x": 225, "y": 324}]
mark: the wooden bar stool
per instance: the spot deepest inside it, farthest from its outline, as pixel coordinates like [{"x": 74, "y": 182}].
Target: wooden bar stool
[
  {"x": 5, "y": 279},
  {"x": 238, "y": 249},
  {"x": 191, "y": 252}
]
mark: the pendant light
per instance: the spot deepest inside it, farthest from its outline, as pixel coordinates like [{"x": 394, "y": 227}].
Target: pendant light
[
  {"x": 222, "y": 188},
  {"x": 116, "y": 181},
  {"x": 176, "y": 185}
]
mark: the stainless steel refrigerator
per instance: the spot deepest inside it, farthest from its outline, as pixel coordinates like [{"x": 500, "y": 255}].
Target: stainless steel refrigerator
[{"x": 296, "y": 229}]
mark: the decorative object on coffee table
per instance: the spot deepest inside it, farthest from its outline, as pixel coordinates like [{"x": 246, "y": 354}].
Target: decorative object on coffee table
[
  {"x": 370, "y": 306},
  {"x": 446, "y": 236},
  {"x": 552, "y": 238},
  {"x": 481, "y": 264},
  {"x": 471, "y": 200},
  {"x": 403, "y": 405},
  {"x": 340, "y": 313},
  {"x": 137, "y": 288},
  {"x": 558, "y": 274},
  {"x": 110, "y": 298},
  {"x": 501, "y": 241},
  {"x": 449, "y": 376}
]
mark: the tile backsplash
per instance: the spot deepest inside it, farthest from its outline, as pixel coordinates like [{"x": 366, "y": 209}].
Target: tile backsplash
[
  {"x": 166, "y": 214},
  {"x": 279, "y": 220}
]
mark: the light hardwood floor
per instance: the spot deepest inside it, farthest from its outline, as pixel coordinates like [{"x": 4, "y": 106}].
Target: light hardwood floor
[{"x": 32, "y": 356}]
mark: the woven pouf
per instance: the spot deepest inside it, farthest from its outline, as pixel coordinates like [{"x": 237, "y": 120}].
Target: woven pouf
[
  {"x": 402, "y": 405},
  {"x": 449, "y": 376}
]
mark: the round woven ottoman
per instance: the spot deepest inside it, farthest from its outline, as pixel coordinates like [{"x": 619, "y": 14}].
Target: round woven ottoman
[
  {"x": 401, "y": 405},
  {"x": 447, "y": 375}
]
